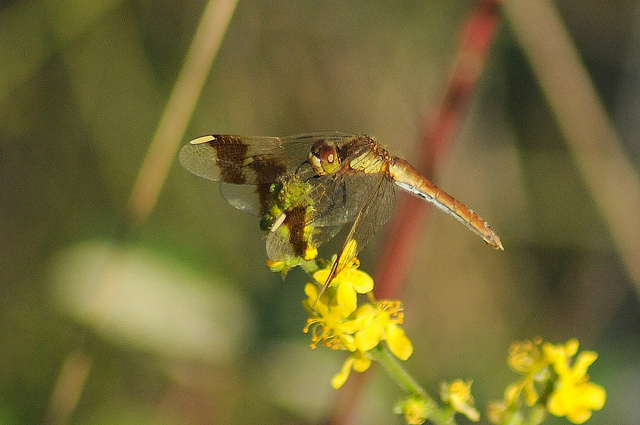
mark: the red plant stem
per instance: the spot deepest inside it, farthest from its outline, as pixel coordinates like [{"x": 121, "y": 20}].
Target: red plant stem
[
  {"x": 477, "y": 35},
  {"x": 344, "y": 410}
]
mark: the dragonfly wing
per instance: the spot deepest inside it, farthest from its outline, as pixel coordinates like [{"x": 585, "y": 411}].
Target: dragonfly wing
[
  {"x": 304, "y": 224},
  {"x": 332, "y": 201},
  {"x": 280, "y": 248},
  {"x": 341, "y": 197},
  {"x": 235, "y": 159},
  {"x": 378, "y": 206},
  {"x": 375, "y": 213},
  {"x": 246, "y": 197},
  {"x": 246, "y": 166},
  {"x": 250, "y": 159},
  {"x": 338, "y": 199}
]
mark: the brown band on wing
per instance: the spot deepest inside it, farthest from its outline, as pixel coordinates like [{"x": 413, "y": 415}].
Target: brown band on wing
[
  {"x": 268, "y": 171},
  {"x": 263, "y": 191},
  {"x": 296, "y": 221},
  {"x": 231, "y": 152},
  {"x": 267, "y": 168}
]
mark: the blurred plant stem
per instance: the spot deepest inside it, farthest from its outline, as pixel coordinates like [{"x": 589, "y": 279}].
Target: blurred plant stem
[
  {"x": 583, "y": 121},
  {"x": 152, "y": 174},
  {"x": 476, "y": 37},
  {"x": 177, "y": 113}
]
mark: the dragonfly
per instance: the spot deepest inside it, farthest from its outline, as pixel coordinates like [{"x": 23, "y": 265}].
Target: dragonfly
[{"x": 308, "y": 187}]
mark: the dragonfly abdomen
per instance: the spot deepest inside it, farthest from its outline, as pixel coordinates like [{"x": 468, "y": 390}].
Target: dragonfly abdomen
[{"x": 409, "y": 179}]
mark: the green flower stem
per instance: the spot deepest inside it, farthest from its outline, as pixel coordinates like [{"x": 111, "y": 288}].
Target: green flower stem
[{"x": 399, "y": 374}]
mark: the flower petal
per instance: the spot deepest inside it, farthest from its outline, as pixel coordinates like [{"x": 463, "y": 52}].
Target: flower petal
[
  {"x": 369, "y": 337},
  {"x": 361, "y": 361},
  {"x": 347, "y": 297},
  {"x": 398, "y": 342},
  {"x": 360, "y": 281},
  {"x": 341, "y": 377}
]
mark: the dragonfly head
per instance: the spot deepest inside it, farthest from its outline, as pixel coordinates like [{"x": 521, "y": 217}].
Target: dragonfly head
[{"x": 324, "y": 158}]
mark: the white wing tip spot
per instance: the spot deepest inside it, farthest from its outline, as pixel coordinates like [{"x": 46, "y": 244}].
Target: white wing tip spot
[{"x": 202, "y": 139}]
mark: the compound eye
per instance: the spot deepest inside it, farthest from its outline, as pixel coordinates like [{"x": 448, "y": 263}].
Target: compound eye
[
  {"x": 324, "y": 158},
  {"x": 327, "y": 155},
  {"x": 328, "y": 158}
]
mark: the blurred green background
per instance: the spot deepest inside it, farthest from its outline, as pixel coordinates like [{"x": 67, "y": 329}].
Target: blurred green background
[{"x": 179, "y": 321}]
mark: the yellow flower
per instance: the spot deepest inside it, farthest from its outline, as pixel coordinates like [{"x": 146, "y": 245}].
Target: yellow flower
[
  {"x": 336, "y": 327},
  {"x": 567, "y": 390},
  {"x": 376, "y": 323},
  {"x": 573, "y": 395},
  {"x": 349, "y": 283},
  {"x": 497, "y": 412},
  {"x": 389, "y": 316},
  {"x": 576, "y": 401},
  {"x": 358, "y": 361},
  {"x": 337, "y": 322},
  {"x": 560, "y": 353},
  {"x": 415, "y": 409},
  {"x": 398, "y": 342},
  {"x": 458, "y": 396},
  {"x": 526, "y": 356},
  {"x": 529, "y": 359},
  {"x": 329, "y": 324}
]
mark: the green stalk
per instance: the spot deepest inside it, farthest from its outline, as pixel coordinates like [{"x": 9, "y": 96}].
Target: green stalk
[{"x": 381, "y": 354}]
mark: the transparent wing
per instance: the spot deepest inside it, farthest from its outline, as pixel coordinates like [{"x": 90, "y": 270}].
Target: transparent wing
[
  {"x": 306, "y": 222},
  {"x": 247, "y": 198},
  {"x": 341, "y": 197},
  {"x": 250, "y": 159},
  {"x": 379, "y": 202},
  {"x": 282, "y": 249},
  {"x": 378, "y": 206},
  {"x": 367, "y": 199}
]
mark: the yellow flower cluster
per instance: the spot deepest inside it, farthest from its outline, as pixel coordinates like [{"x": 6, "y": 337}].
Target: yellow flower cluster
[
  {"x": 458, "y": 395},
  {"x": 566, "y": 390},
  {"x": 338, "y": 322},
  {"x": 415, "y": 409}
]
